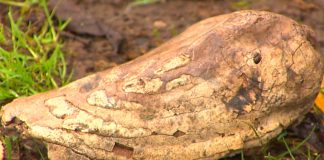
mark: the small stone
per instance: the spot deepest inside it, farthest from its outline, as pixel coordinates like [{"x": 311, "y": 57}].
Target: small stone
[{"x": 159, "y": 24}]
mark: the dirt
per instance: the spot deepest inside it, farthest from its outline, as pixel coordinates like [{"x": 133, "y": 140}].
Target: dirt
[
  {"x": 141, "y": 28},
  {"x": 147, "y": 26}
]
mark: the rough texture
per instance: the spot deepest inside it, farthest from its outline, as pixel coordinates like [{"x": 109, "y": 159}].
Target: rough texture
[{"x": 226, "y": 83}]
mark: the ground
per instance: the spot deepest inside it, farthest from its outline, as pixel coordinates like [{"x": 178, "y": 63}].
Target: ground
[
  {"x": 116, "y": 31},
  {"x": 147, "y": 26}
]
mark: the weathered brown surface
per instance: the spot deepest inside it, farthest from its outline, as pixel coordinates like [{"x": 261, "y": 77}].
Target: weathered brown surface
[{"x": 226, "y": 83}]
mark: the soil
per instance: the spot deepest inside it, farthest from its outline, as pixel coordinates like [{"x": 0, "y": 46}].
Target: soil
[
  {"x": 147, "y": 26},
  {"x": 127, "y": 31}
]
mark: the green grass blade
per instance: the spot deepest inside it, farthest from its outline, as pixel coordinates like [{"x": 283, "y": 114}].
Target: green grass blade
[{"x": 8, "y": 145}]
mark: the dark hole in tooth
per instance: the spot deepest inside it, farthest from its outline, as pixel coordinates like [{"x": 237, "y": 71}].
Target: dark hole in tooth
[
  {"x": 178, "y": 133},
  {"x": 222, "y": 134},
  {"x": 257, "y": 58},
  {"x": 123, "y": 150}
]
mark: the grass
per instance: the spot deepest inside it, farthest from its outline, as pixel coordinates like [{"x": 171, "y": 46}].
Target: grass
[
  {"x": 32, "y": 62},
  {"x": 143, "y": 2},
  {"x": 9, "y": 142},
  {"x": 241, "y": 4},
  {"x": 24, "y": 4},
  {"x": 292, "y": 149}
]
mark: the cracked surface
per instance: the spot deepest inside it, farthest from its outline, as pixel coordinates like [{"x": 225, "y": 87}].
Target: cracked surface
[
  {"x": 142, "y": 85},
  {"x": 204, "y": 94},
  {"x": 173, "y": 63},
  {"x": 99, "y": 98}
]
